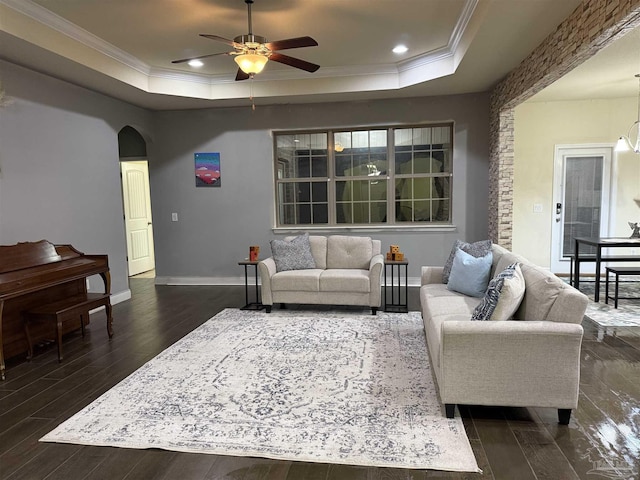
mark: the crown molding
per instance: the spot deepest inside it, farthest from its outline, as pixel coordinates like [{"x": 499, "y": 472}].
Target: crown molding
[
  {"x": 447, "y": 51},
  {"x": 71, "y": 30},
  {"x": 432, "y": 64}
]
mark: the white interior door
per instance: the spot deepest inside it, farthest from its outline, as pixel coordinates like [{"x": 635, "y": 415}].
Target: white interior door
[
  {"x": 137, "y": 214},
  {"x": 582, "y": 199}
]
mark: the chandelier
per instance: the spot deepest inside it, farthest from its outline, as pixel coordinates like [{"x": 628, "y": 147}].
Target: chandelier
[{"x": 628, "y": 142}]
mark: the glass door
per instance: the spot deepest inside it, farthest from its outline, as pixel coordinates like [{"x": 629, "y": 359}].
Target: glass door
[{"x": 581, "y": 200}]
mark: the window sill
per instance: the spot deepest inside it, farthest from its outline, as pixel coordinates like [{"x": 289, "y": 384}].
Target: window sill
[{"x": 366, "y": 229}]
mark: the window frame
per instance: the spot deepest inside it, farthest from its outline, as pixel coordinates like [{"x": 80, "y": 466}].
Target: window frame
[{"x": 390, "y": 178}]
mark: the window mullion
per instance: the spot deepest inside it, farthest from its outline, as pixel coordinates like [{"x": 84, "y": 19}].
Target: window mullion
[{"x": 331, "y": 178}]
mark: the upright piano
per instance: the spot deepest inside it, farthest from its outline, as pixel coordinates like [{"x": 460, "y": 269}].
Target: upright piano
[{"x": 38, "y": 273}]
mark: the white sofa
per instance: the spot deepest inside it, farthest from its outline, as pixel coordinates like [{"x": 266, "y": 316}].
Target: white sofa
[
  {"x": 530, "y": 361},
  {"x": 348, "y": 272}
]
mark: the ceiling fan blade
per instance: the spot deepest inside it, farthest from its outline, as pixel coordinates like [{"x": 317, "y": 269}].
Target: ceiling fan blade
[
  {"x": 242, "y": 75},
  {"x": 221, "y": 39},
  {"x": 291, "y": 43},
  {"x": 182, "y": 60},
  {"x": 294, "y": 62}
]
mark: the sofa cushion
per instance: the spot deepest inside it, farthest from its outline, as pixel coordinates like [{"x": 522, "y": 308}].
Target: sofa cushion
[
  {"x": 445, "y": 305},
  {"x": 470, "y": 275},
  {"x": 349, "y": 252},
  {"x": 319, "y": 250},
  {"x": 294, "y": 254},
  {"x": 542, "y": 289},
  {"x": 344, "y": 280},
  {"x": 503, "y": 296},
  {"x": 439, "y": 304},
  {"x": 477, "y": 249},
  {"x": 296, "y": 280},
  {"x": 437, "y": 290},
  {"x": 505, "y": 258}
]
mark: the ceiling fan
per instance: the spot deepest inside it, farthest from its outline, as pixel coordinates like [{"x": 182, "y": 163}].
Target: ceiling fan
[{"x": 251, "y": 52}]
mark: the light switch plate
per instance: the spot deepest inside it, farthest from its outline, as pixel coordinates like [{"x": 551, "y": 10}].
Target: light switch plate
[
  {"x": 537, "y": 208},
  {"x": 174, "y": 217}
]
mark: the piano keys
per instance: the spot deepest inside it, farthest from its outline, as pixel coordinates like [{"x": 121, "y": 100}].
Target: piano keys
[{"x": 33, "y": 274}]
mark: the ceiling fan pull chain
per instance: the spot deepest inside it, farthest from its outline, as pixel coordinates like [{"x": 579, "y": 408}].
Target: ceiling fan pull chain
[{"x": 253, "y": 105}]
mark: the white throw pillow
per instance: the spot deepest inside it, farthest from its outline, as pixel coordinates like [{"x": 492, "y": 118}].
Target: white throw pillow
[
  {"x": 504, "y": 295},
  {"x": 470, "y": 275}
]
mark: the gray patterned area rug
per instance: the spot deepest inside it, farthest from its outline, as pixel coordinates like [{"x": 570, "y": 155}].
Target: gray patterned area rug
[
  {"x": 628, "y": 312},
  {"x": 344, "y": 388}
]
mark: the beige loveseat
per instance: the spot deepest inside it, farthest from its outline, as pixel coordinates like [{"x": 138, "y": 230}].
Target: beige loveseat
[
  {"x": 348, "y": 272},
  {"x": 530, "y": 361}
]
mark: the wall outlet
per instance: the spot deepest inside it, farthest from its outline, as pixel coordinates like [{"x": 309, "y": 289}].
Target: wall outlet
[
  {"x": 537, "y": 208},
  {"x": 174, "y": 217}
]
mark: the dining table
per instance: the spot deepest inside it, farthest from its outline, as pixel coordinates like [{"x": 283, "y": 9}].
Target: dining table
[{"x": 601, "y": 243}]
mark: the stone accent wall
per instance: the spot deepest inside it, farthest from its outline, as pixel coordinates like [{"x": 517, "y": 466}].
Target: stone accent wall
[{"x": 590, "y": 28}]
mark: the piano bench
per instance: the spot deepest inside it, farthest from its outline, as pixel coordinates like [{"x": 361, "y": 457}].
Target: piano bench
[{"x": 70, "y": 308}]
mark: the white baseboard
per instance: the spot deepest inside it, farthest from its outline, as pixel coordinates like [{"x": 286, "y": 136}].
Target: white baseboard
[
  {"x": 413, "y": 281},
  {"x": 203, "y": 280},
  {"x": 115, "y": 299}
]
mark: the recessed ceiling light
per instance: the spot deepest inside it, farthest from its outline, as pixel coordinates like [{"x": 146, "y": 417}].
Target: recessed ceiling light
[
  {"x": 400, "y": 49},
  {"x": 195, "y": 63}
]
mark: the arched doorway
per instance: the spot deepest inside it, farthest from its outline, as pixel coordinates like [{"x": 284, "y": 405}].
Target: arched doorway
[{"x": 136, "y": 195}]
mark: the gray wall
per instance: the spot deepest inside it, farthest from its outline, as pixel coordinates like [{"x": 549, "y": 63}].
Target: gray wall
[
  {"x": 217, "y": 225},
  {"x": 59, "y": 174},
  {"x": 59, "y": 170}
]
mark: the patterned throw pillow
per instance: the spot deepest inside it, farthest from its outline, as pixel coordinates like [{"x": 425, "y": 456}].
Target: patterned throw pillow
[
  {"x": 294, "y": 254},
  {"x": 477, "y": 249},
  {"x": 503, "y": 297}
]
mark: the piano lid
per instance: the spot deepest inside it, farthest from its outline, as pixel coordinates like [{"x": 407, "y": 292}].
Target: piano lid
[{"x": 27, "y": 254}]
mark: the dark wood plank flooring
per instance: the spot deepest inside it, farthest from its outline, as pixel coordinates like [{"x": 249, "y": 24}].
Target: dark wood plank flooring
[{"x": 602, "y": 441}]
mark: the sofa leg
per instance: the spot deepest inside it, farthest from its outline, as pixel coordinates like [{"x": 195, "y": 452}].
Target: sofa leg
[
  {"x": 267, "y": 308},
  {"x": 374, "y": 310},
  {"x": 450, "y": 409},
  {"x": 564, "y": 415}
]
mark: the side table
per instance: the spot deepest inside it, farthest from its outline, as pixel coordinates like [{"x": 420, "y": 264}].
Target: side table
[
  {"x": 257, "y": 304},
  {"x": 398, "y": 299}
]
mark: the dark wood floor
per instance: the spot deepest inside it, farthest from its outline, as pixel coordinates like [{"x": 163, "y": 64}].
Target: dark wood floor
[{"x": 602, "y": 441}]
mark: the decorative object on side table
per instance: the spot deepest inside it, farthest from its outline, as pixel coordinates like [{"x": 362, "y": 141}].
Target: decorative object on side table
[
  {"x": 394, "y": 254},
  {"x": 254, "y": 253},
  {"x": 635, "y": 227}
]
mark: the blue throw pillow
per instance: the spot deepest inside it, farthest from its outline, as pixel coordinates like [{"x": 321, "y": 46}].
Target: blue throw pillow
[
  {"x": 470, "y": 275},
  {"x": 477, "y": 249}
]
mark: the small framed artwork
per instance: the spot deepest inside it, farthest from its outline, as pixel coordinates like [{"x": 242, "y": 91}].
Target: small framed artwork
[{"x": 207, "y": 169}]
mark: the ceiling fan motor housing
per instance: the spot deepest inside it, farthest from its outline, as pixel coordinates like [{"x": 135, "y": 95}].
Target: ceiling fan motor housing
[{"x": 250, "y": 40}]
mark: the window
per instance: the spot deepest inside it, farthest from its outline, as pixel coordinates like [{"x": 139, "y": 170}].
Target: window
[{"x": 380, "y": 176}]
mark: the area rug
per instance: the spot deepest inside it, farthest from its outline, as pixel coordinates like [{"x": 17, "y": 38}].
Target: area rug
[
  {"x": 626, "y": 315},
  {"x": 607, "y": 316},
  {"x": 345, "y": 388}
]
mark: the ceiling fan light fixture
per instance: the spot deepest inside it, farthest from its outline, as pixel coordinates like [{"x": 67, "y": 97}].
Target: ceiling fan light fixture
[
  {"x": 251, "y": 63},
  {"x": 195, "y": 63}
]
